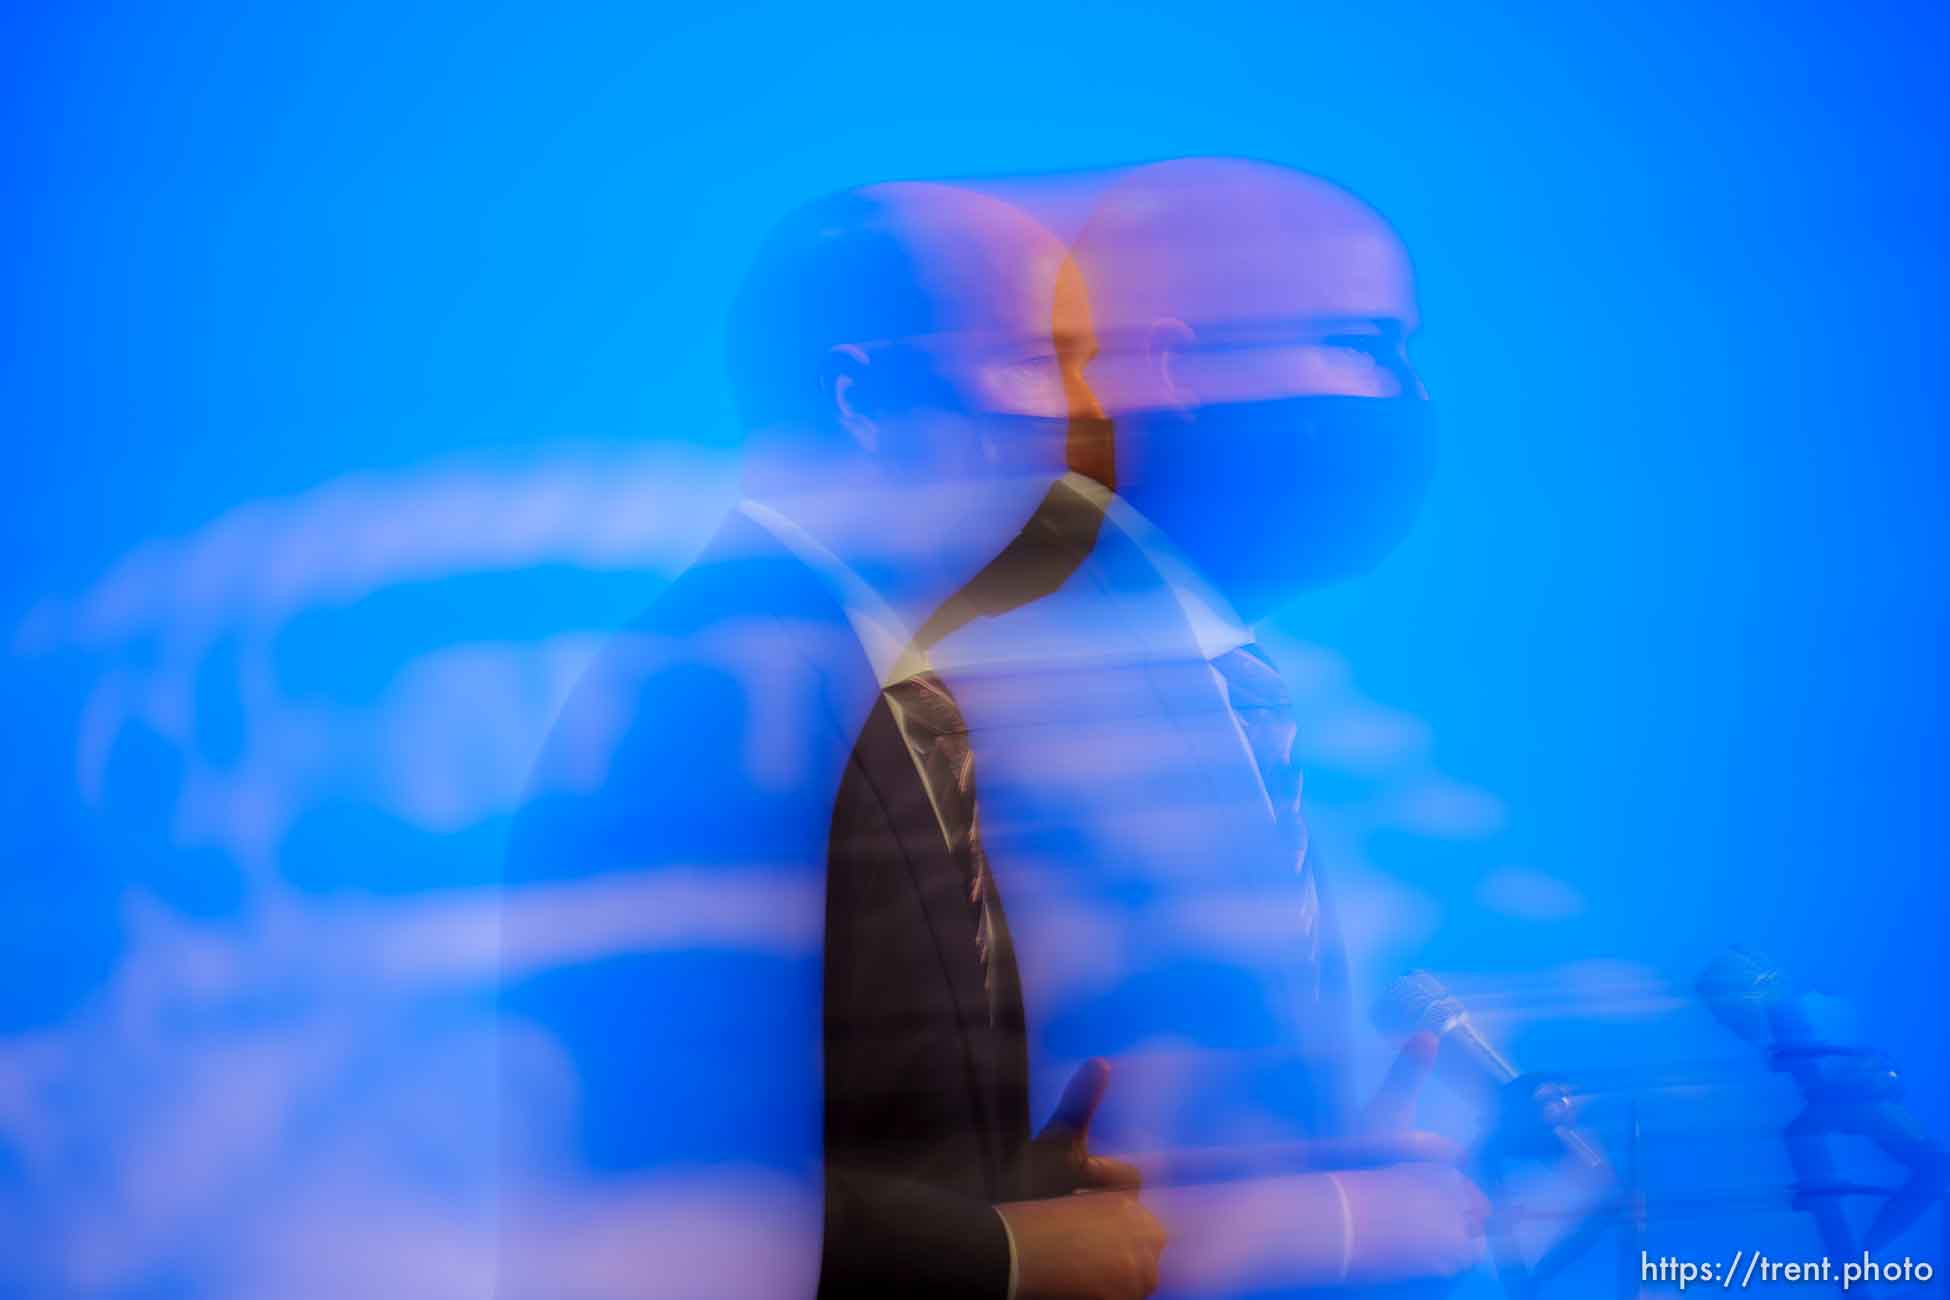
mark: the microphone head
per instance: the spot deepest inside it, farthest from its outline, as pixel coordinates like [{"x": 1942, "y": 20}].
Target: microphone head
[
  {"x": 1415, "y": 1002},
  {"x": 1740, "y": 987}
]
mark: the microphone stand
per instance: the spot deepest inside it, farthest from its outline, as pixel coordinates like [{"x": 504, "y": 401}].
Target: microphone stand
[
  {"x": 1533, "y": 1112},
  {"x": 1854, "y": 1091},
  {"x": 1847, "y": 1090}
]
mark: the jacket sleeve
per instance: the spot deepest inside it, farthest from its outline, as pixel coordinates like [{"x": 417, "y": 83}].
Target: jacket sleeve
[
  {"x": 888, "y": 1236},
  {"x": 662, "y": 931}
]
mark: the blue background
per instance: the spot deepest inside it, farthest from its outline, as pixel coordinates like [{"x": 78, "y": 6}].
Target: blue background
[{"x": 1678, "y": 601}]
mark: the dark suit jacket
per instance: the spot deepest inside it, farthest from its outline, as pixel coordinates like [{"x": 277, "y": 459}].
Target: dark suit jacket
[
  {"x": 927, "y": 1107},
  {"x": 736, "y": 736}
]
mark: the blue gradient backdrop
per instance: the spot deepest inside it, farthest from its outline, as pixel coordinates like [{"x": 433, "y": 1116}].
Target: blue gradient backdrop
[{"x": 1678, "y": 605}]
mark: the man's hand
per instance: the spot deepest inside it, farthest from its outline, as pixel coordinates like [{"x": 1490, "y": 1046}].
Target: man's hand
[
  {"x": 1353, "y": 1228},
  {"x": 1389, "y": 1119},
  {"x": 1088, "y": 1246},
  {"x": 1417, "y": 1219},
  {"x": 1090, "y": 1238},
  {"x": 1413, "y": 1221},
  {"x": 1059, "y": 1157}
]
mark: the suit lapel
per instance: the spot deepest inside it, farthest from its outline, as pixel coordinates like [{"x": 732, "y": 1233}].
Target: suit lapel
[{"x": 941, "y": 886}]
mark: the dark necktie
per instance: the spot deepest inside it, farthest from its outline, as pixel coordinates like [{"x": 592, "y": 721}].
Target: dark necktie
[{"x": 937, "y": 737}]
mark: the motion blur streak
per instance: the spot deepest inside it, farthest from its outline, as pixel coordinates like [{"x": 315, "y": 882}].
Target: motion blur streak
[{"x": 393, "y": 907}]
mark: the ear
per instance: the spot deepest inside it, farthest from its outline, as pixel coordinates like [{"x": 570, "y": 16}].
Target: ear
[
  {"x": 1165, "y": 345},
  {"x": 846, "y": 365}
]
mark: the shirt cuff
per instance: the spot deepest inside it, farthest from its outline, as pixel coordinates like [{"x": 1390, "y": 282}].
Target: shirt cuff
[
  {"x": 1347, "y": 1230},
  {"x": 1015, "y": 1272}
]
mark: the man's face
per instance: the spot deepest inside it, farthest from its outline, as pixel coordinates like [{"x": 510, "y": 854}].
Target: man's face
[
  {"x": 971, "y": 404},
  {"x": 1282, "y": 313},
  {"x": 1253, "y": 327},
  {"x": 990, "y": 371},
  {"x": 988, "y": 391}
]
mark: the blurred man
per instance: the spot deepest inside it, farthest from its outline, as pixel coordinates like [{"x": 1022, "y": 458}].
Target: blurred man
[
  {"x": 1236, "y": 333},
  {"x": 790, "y": 1014}
]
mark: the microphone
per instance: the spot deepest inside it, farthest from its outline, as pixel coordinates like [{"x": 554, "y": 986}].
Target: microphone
[
  {"x": 1469, "y": 1062},
  {"x": 1418, "y": 1001}
]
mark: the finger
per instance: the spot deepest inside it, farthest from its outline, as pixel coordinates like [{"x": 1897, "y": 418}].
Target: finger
[
  {"x": 1393, "y": 1105},
  {"x": 1105, "y": 1172},
  {"x": 1079, "y": 1101},
  {"x": 1148, "y": 1231}
]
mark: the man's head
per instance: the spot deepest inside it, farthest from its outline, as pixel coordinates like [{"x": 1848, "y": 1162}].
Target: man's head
[
  {"x": 874, "y": 319},
  {"x": 1250, "y": 327},
  {"x": 891, "y": 350},
  {"x": 1221, "y": 280}
]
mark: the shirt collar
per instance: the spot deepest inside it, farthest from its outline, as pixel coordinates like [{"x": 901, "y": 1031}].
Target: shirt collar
[
  {"x": 1215, "y": 625},
  {"x": 888, "y": 644}
]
